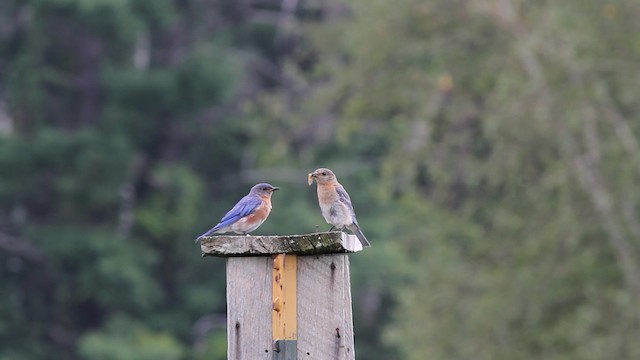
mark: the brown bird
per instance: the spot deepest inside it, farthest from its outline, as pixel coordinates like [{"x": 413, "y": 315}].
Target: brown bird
[{"x": 335, "y": 203}]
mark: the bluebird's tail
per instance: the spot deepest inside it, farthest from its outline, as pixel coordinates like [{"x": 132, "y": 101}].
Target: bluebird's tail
[
  {"x": 356, "y": 230},
  {"x": 208, "y": 233}
]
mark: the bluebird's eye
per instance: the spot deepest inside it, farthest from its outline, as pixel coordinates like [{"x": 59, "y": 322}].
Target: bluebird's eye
[
  {"x": 324, "y": 174},
  {"x": 265, "y": 188}
]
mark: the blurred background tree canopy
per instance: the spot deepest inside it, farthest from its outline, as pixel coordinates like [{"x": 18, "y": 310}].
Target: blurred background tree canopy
[{"x": 490, "y": 147}]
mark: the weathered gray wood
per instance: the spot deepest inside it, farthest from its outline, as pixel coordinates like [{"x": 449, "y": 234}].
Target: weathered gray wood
[
  {"x": 324, "y": 320},
  {"x": 306, "y": 244},
  {"x": 325, "y": 323},
  {"x": 249, "y": 308}
]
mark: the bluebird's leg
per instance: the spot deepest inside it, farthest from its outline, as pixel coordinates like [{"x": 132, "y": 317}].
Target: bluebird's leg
[{"x": 332, "y": 228}]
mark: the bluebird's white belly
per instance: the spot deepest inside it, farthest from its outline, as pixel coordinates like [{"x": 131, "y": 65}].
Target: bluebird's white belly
[{"x": 243, "y": 226}]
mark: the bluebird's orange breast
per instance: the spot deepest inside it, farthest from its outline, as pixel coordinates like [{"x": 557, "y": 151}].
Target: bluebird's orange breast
[{"x": 253, "y": 221}]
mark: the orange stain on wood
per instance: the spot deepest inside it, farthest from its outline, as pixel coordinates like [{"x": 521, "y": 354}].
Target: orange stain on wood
[{"x": 284, "y": 281}]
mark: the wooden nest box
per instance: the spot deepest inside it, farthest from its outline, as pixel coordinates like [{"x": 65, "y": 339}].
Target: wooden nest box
[{"x": 288, "y": 297}]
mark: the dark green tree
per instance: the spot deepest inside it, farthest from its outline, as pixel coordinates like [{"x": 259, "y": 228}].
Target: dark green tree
[{"x": 121, "y": 136}]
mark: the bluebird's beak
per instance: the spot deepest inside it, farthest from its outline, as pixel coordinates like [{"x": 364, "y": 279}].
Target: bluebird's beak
[
  {"x": 275, "y": 188},
  {"x": 310, "y": 178}
]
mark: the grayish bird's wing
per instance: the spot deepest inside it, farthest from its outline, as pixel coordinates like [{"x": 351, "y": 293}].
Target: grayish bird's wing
[
  {"x": 343, "y": 195},
  {"x": 355, "y": 228},
  {"x": 344, "y": 198}
]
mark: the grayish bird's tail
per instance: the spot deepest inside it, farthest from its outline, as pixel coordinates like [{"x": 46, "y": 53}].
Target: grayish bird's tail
[{"x": 355, "y": 228}]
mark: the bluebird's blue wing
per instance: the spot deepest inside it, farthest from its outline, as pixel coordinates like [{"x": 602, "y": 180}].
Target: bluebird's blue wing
[{"x": 246, "y": 206}]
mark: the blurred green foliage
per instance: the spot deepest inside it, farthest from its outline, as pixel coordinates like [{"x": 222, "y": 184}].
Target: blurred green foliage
[
  {"x": 121, "y": 339},
  {"x": 490, "y": 148}
]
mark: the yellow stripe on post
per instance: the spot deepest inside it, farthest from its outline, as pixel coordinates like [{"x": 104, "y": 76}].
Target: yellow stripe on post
[{"x": 284, "y": 314}]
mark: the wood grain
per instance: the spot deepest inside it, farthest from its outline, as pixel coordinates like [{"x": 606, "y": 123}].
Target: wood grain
[
  {"x": 325, "y": 322},
  {"x": 249, "y": 308}
]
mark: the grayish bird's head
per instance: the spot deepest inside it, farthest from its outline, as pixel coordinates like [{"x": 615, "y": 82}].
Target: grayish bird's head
[{"x": 322, "y": 176}]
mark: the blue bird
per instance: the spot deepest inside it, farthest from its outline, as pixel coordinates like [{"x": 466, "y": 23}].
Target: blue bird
[{"x": 248, "y": 214}]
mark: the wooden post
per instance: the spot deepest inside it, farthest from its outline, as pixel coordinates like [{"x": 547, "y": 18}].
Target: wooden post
[{"x": 288, "y": 297}]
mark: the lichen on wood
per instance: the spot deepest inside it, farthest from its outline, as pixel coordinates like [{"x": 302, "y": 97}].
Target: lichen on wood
[{"x": 305, "y": 244}]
